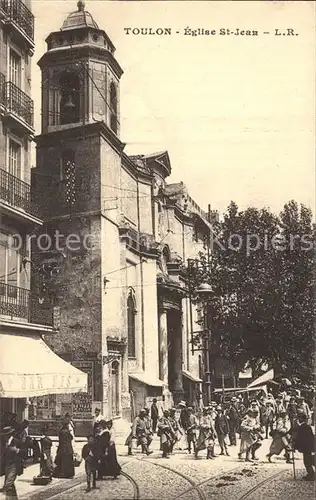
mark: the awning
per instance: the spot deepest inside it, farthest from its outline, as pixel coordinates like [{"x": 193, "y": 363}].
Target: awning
[
  {"x": 266, "y": 377},
  {"x": 28, "y": 368},
  {"x": 242, "y": 389},
  {"x": 147, "y": 379},
  {"x": 191, "y": 377}
]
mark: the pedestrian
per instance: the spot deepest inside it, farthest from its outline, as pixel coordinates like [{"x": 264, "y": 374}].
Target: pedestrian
[
  {"x": 232, "y": 414},
  {"x": 191, "y": 429},
  {"x": 154, "y": 414},
  {"x": 279, "y": 408},
  {"x": 64, "y": 460},
  {"x": 149, "y": 429},
  {"x": 71, "y": 425},
  {"x": 13, "y": 461},
  {"x": 107, "y": 459},
  {"x": 268, "y": 418},
  {"x": 97, "y": 419},
  {"x": 250, "y": 434},
  {"x": 207, "y": 434},
  {"x": 90, "y": 455},
  {"x": 166, "y": 434},
  {"x": 303, "y": 406},
  {"x": 46, "y": 461},
  {"x": 304, "y": 442},
  {"x": 222, "y": 430},
  {"x": 281, "y": 437},
  {"x": 140, "y": 432},
  {"x": 175, "y": 427}
]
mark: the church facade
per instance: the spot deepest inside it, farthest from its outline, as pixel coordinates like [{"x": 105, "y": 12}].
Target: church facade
[{"x": 118, "y": 239}]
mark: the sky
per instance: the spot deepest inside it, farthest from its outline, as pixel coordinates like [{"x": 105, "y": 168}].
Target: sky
[{"x": 235, "y": 113}]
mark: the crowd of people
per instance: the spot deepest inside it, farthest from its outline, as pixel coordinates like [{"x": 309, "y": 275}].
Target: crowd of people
[
  {"x": 286, "y": 418},
  {"x": 99, "y": 453}
]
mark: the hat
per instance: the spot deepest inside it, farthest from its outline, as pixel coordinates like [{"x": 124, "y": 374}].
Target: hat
[
  {"x": 234, "y": 398},
  {"x": 142, "y": 410},
  {"x": 182, "y": 403},
  {"x": 214, "y": 403},
  {"x": 219, "y": 408},
  {"x": 7, "y": 431},
  {"x": 190, "y": 408}
]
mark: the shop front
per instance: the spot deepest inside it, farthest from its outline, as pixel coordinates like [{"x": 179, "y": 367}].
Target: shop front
[{"x": 33, "y": 378}]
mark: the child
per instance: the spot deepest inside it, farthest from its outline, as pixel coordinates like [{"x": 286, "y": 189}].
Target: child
[
  {"x": 46, "y": 461},
  {"x": 90, "y": 455},
  {"x": 304, "y": 442}
]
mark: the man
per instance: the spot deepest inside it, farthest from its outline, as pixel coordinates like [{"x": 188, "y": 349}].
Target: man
[
  {"x": 268, "y": 418},
  {"x": 191, "y": 429},
  {"x": 232, "y": 414},
  {"x": 148, "y": 427},
  {"x": 222, "y": 430},
  {"x": 304, "y": 442},
  {"x": 302, "y": 406},
  {"x": 175, "y": 427},
  {"x": 97, "y": 419},
  {"x": 154, "y": 414},
  {"x": 279, "y": 408},
  {"x": 140, "y": 431},
  {"x": 13, "y": 461},
  {"x": 166, "y": 434}
]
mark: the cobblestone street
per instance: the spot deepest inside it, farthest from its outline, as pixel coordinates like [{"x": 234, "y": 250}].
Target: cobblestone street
[{"x": 183, "y": 477}]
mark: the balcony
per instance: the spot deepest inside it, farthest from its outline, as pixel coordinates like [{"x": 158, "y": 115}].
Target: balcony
[
  {"x": 21, "y": 304},
  {"x": 140, "y": 243},
  {"x": 19, "y": 107},
  {"x": 2, "y": 91},
  {"x": 20, "y": 21},
  {"x": 17, "y": 194}
]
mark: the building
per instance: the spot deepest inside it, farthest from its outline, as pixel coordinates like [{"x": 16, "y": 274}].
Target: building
[
  {"x": 27, "y": 365},
  {"x": 123, "y": 236}
]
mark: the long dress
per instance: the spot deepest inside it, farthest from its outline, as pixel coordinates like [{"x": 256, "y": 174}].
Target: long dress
[
  {"x": 64, "y": 457},
  {"x": 249, "y": 433},
  {"x": 281, "y": 436},
  {"x": 108, "y": 464},
  {"x": 206, "y": 433}
]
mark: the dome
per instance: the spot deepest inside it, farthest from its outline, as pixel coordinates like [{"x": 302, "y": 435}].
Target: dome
[{"x": 79, "y": 19}]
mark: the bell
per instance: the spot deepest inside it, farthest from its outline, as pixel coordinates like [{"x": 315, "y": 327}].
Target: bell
[{"x": 69, "y": 104}]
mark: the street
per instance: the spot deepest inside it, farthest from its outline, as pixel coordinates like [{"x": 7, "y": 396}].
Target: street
[{"x": 183, "y": 477}]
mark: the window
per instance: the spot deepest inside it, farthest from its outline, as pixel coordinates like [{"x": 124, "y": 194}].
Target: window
[
  {"x": 68, "y": 175},
  {"x": 69, "y": 86},
  {"x": 15, "y": 68},
  {"x": 9, "y": 264},
  {"x": 113, "y": 107},
  {"x": 14, "y": 159},
  {"x": 131, "y": 325}
]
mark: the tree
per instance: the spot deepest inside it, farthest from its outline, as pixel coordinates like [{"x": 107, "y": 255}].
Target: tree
[{"x": 261, "y": 271}]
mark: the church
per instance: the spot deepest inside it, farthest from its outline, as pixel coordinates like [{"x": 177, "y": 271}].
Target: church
[{"x": 122, "y": 294}]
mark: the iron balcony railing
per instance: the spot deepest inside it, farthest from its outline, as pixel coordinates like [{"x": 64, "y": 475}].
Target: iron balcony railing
[
  {"x": 18, "y": 102},
  {"x": 2, "y": 89},
  {"x": 19, "y": 303},
  {"x": 17, "y": 12},
  {"x": 16, "y": 193}
]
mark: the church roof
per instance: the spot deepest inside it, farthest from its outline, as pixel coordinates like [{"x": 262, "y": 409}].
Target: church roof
[{"x": 79, "y": 19}]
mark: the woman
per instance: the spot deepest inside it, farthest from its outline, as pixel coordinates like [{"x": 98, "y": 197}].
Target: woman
[
  {"x": 64, "y": 458},
  {"x": 207, "y": 435},
  {"x": 281, "y": 437},
  {"x": 46, "y": 462},
  {"x": 250, "y": 434},
  {"x": 107, "y": 462}
]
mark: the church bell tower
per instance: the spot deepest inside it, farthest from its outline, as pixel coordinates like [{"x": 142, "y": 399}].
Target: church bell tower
[
  {"x": 78, "y": 163},
  {"x": 80, "y": 76}
]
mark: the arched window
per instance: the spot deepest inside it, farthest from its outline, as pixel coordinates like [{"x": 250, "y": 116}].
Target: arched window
[
  {"x": 131, "y": 325},
  {"x": 68, "y": 176},
  {"x": 69, "y": 107},
  {"x": 113, "y": 107}
]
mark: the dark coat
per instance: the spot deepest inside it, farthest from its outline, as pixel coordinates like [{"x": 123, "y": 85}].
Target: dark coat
[
  {"x": 221, "y": 425},
  {"x": 304, "y": 439},
  {"x": 154, "y": 413}
]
